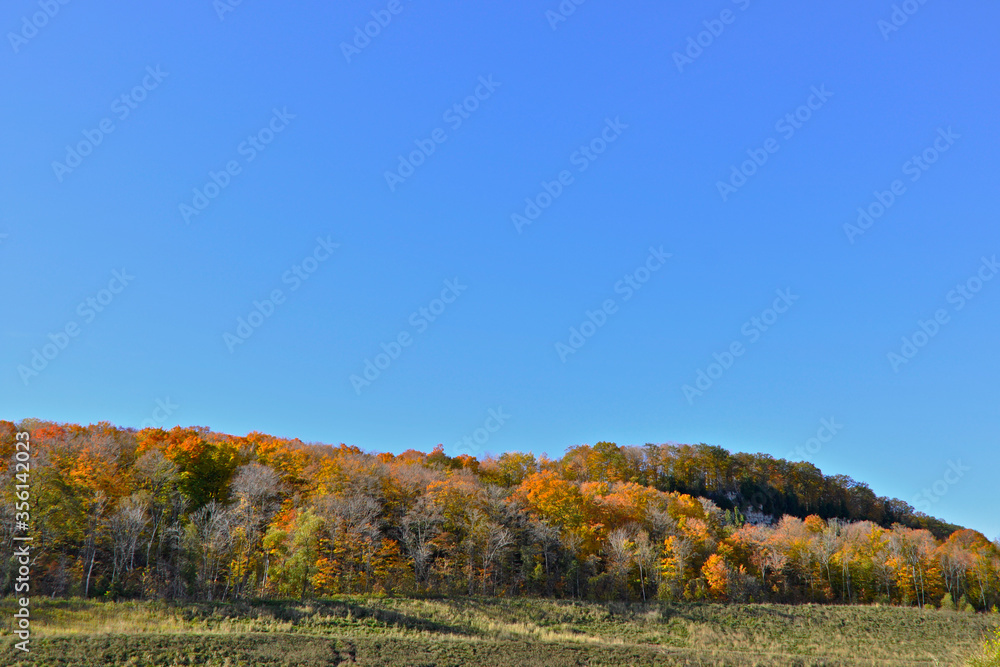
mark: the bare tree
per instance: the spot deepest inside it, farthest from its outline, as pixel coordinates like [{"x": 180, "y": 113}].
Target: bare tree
[
  {"x": 125, "y": 527},
  {"x": 95, "y": 524},
  {"x": 498, "y": 539},
  {"x": 419, "y": 526},
  {"x": 823, "y": 548},
  {"x": 573, "y": 544},
  {"x": 212, "y": 527},
  {"x": 662, "y": 524},
  {"x": 645, "y": 558},
  {"x": 257, "y": 489},
  {"x": 548, "y": 541},
  {"x": 354, "y": 529},
  {"x": 620, "y": 547},
  {"x": 476, "y": 528},
  {"x": 158, "y": 476}
]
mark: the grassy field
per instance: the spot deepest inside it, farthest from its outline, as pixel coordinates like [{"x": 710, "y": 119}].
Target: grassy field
[{"x": 488, "y": 632}]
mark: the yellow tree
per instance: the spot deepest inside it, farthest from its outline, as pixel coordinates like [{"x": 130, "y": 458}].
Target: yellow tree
[
  {"x": 717, "y": 575},
  {"x": 293, "y": 551},
  {"x": 562, "y": 504}
]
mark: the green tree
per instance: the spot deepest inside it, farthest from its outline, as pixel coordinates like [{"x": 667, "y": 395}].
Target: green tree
[{"x": 294, "y": 555}]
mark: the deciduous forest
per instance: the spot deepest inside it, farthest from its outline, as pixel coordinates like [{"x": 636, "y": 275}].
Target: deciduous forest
[{"x": 193, "y": 515}]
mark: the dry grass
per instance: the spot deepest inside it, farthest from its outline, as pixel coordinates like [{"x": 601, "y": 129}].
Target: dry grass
[{"x": 500, "y": 632}]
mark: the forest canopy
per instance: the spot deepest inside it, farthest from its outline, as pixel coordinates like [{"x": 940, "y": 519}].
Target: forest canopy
[{"x": 191, "y": 514}]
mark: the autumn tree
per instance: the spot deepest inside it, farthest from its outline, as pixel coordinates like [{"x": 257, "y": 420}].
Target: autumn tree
[{"x": 188, "y": 514}]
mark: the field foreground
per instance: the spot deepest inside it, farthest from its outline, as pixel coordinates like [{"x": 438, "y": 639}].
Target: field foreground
[{"x": 488, "y": 632}]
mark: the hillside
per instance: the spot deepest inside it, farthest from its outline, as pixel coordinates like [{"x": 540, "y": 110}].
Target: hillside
[{"x": 190, "y": 514}]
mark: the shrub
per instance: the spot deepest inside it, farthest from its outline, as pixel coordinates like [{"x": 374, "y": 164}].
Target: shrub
[{"x": 990, "y": 654}]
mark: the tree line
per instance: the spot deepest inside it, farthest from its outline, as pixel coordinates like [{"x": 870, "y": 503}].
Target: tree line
[{"x": 190, "y": 514}]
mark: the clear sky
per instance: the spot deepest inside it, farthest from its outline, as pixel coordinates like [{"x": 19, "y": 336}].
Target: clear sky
[{"x": 211, "y": 154}]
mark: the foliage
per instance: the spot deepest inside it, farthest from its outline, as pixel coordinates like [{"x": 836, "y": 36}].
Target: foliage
[
  {"x": 192, "y": 515},
  {"x": 990, "y": 654}
]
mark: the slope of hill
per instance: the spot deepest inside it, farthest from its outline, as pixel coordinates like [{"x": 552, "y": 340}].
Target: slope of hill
[{"x": 189, "y": 514}]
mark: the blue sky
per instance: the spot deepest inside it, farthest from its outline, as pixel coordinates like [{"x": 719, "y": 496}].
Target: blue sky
[{"x": 276, "y": 129}]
